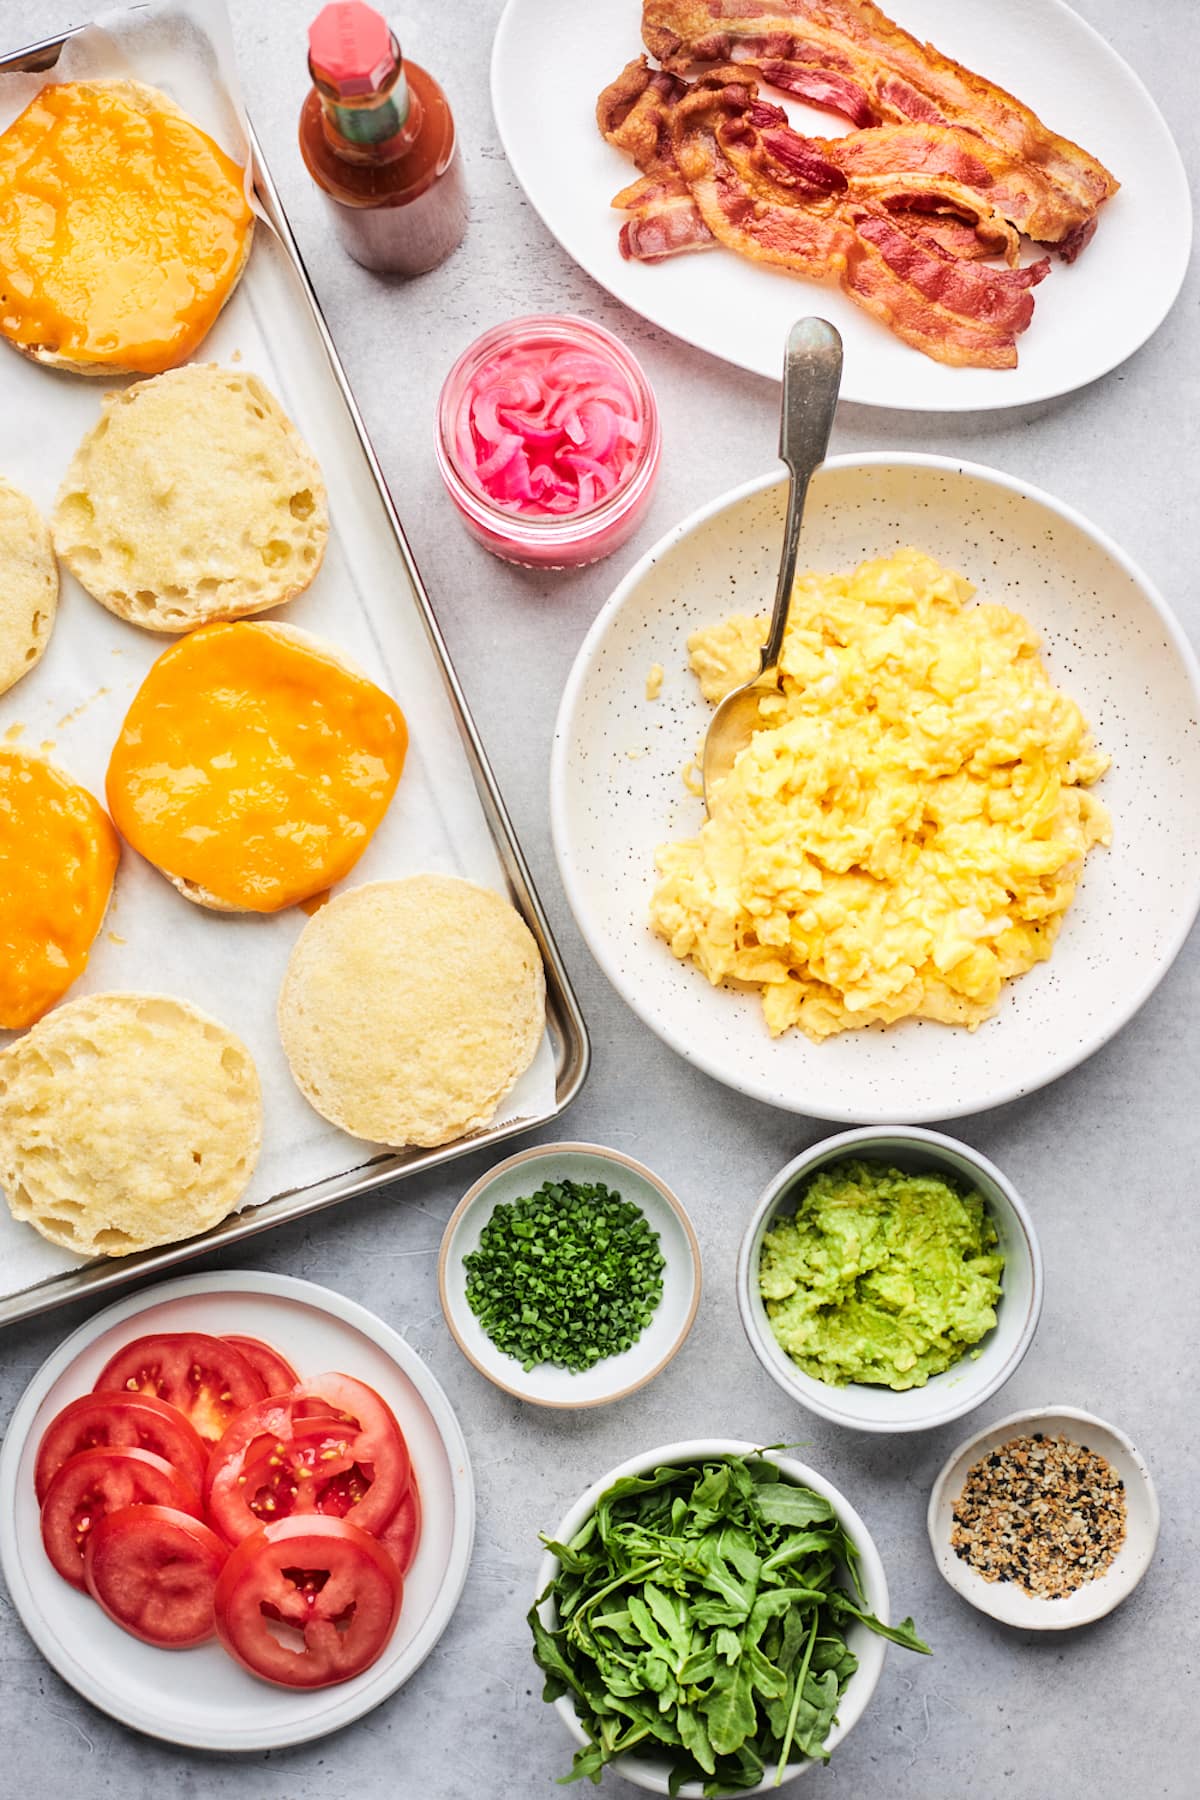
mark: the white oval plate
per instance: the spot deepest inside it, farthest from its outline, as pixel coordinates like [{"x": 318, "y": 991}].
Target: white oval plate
[
  {"x": 202, "y": 1698},
  {"x": 616, "y": 791},
  {"x": 551, "y": 60},
  {"x": 1004, "y": 1600}
]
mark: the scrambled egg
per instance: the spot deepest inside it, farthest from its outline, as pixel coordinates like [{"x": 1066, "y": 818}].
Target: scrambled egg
[{"x": 906, "y": 827}]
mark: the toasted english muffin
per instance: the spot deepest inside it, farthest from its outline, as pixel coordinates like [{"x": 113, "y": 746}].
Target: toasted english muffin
[
  {"x": 58, "y": 856},
  {"x": 114, "y": 227},
  {"x": 303, "y": 814},
  {"x": 126, "y": 1120},
  {"x": 28, "y": 585},
  {"x": 409, "y": 1008},
  {"x": 191, "y": 890},
  {"x": 194, "y": 499}
]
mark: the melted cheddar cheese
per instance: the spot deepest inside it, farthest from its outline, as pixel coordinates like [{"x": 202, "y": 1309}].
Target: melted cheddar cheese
[
  {"x": 254, "y": 766},
  {"x": 123, "y": 227},
  {"x": 58, "y": 856}
]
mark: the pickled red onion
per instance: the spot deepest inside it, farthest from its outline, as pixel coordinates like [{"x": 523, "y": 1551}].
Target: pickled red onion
[{"x": 547, "y": 430}]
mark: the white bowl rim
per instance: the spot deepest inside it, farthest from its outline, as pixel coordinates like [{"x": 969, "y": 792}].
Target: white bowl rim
[
  {"x": 846, "y": 1142},
  {"x": 530, "y": 1154},
  {"x": 1031, "y": 1416},
  {"x": 699, "y": 1450},
  {"x": 692, "y": 1049}
]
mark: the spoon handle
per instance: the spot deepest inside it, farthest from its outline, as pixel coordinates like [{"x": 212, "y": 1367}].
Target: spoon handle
[{"x": 812, "y": 372}]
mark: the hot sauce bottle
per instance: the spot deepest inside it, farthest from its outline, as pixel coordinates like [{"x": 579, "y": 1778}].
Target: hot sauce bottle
[{"x": 378, "y": 139}]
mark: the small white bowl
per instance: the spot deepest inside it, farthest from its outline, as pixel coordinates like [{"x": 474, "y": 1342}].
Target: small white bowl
[
  {"x": 651, "y": 1772},
  {"x": 1004, "y": 1600},
  {"x": 614, "y": 1376},
  {"x": 972, "y": 1380}
]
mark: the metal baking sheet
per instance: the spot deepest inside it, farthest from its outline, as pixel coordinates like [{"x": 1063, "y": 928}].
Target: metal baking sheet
[{"x": 287, "y": 293}]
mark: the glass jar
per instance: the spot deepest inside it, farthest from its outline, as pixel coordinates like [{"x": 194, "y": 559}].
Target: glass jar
[{"x": 520, "y": 531}]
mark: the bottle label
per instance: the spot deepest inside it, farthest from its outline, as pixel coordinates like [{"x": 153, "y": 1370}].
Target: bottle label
[{"x": 373, "y": 124}]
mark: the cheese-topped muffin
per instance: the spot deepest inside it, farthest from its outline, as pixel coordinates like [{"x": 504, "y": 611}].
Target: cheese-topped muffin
[
  {"x": 58, "y": 856},
  {"x": 123, "y": 229},
  {"x": 254, "y": 766},
  {"x": 194, "y": 498},
  {"x": 28, "y": 585},
  {"x": 409, "y": 1008},
  {"x": 126, "y": 1120}
]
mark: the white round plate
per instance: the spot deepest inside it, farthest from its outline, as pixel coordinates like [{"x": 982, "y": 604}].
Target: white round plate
[
  {"x": 616, "y": 791},
  {"x": 615, "y": 1376},
  {"x": 202, "y": 1698},
  {"x": 551, "y": 59},
  {"x": 1004, "y": 1600}
]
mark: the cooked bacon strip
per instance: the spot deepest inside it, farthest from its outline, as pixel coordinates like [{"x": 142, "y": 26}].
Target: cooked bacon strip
[
  {"x": 968, "y": 172},
  {"x": 848, "y": 55},
  {"x": 634, "y": 113},
  {"x": 770, "y": 194},
  {"x": 969, "y": 241},
  {"x": 665, "y": 220}
]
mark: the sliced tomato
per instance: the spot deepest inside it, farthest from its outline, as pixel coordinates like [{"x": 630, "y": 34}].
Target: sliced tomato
[
  {"x": 331, "y": 1447},
  {"x": 154, "y": 1571},
  {"x": 97, "y": 1482},
  {"x": 123, "y": 1422},
  {"x": 277, "y": 1373},
  {"x": 307, "y": 1602},
  {"x": 401, "y": 1535},
  {"x": 209, "y": 1380}
]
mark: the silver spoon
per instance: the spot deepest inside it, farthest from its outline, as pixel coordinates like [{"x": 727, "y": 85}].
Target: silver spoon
[{"x": 812, "y": 372}]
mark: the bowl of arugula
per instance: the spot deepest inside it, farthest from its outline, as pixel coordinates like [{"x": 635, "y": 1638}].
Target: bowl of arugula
[{"x": 711, "y": 1618}]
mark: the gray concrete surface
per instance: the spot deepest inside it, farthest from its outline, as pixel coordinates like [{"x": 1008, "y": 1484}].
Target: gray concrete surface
[{"x": 1107, "y": 1158}]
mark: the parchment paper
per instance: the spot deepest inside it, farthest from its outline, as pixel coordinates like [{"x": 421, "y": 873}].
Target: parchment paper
[{"x": 73, "y": 703}]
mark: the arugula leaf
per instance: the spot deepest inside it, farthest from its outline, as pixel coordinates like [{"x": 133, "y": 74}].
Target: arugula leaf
[
  {"x": 780, "y": 1503},
  {"x": 729, "y": 1708},
  {"x": 905, "y": 1633}
]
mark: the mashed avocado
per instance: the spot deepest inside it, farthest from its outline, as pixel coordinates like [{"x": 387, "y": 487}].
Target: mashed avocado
[{"x": 881, "y": 1277}]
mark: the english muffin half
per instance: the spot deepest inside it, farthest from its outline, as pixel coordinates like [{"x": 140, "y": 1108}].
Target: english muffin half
[
  {"x": 126, "y": 1120},
  {"x": 28, "y": 585},
  {"x": 193, "y": 499},
  {"x": 128, "y": 231},
  {"x": 58, "y": 857},
  {"x": 409, "y": 1008},
  {"x": 254, "y": 766}
]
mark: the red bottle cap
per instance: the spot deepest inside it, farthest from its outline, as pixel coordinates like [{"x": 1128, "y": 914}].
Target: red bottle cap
[{"x": 350, "y": 47}]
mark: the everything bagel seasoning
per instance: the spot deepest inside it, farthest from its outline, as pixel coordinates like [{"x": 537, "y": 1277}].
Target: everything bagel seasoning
[{"x": 1043, "y": 1512}]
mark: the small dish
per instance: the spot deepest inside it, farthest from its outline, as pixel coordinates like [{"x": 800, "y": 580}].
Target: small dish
[
  {"x": 650, "y": 1773},
  {"x": 546, "y": 540},
  {"x": 201, "y": 1698},
  {"x": 615, "y": 1376},
  {"x": 971, "y": 1381},
  {"x": 1011, "y": 1604}
]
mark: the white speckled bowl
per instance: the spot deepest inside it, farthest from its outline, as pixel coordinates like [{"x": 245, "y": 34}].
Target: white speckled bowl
[
  {"x": 650, "y": 1772},
  {"x": 971, "y": 1381},
  {"x": 616, "y": 792},
  {"x": 1008, "y": 1603}
]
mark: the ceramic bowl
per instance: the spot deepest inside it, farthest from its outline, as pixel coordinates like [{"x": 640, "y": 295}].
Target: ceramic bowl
[
  {"x": 650, "y": 1772},
  {"x": 615, "y": 1376},
  {"x": 1109, "y": 640},
  {"x": 1011, "y": 1604},
  {"x": 972, "y": 1380}
]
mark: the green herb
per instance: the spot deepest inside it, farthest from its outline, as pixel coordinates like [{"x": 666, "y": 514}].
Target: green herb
[
  {"x": 700, "y": 1615},
  {"x": 569, "y": 1275}
]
